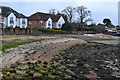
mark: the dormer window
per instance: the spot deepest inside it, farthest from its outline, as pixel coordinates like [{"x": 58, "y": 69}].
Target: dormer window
[{"x": 11, "y": 20}]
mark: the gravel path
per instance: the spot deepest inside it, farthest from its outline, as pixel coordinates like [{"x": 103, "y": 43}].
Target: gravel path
[{"x": 36, "y": 50}]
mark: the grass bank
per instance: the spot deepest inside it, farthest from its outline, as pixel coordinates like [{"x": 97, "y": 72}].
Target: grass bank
[
  {"x": 13, "y": 44},
  {"x": 12, "y": 41}
]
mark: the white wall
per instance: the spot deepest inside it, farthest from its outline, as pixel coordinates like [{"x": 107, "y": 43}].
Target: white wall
[
  {"x": 61, "y": 21},
  {"x": 26, "y": 22},
  {"x": 20, "y": 22},
  {"x": 49, "y": 20},
  {"x": 17, "y": 21},
  {"x": 14, "y": 19},
  {"x": 0, "y": 10}
]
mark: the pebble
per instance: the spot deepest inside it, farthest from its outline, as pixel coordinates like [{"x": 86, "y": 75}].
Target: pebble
[{"x": 20, "y": 72}]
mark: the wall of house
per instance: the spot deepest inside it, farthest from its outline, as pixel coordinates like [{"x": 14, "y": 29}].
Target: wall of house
[
  {"x": 21, "y": 24},
  {"x": 54, "y": 24},
  {"x": 0, "y": 10},
  {"x": 18, "y": 22},
  {"x": 60, "y": 22},
  {"x": 47, "y": 23},
  {"x": 43, "y": 24},
  {"x": 33, "y": 23},
  {"x": 25, "y": 22},
  {"x": 14, "y": 19},
  {"x": 36, "y": 23},
  {"x": 1, "y": 18},
  {"x": 1, "y": 21}
]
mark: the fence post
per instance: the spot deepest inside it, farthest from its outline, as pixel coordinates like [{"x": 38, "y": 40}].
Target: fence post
[{"x": 13, "y": 30}]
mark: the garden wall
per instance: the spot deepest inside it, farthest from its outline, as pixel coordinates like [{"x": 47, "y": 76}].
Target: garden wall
[{"x": 19, "y": 31}]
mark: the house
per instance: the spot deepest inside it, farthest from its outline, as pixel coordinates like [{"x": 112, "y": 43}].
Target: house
[
  {"x": 46, "y": 20},
  {"x": 111, "y": 28},
  {"x": 11, "y": 18}
]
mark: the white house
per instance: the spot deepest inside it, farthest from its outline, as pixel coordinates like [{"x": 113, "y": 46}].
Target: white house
[
  {"x": 11, "y": 18},
  {"x": 49, "y": 23},
  {"x": 46, "y": 20},
  {"x": 60, "y": 22}
]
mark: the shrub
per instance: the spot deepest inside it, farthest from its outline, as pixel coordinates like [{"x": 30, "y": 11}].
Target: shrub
[
  {"x": 41, "y": 29},
  {"x": 66, "y": 27}
]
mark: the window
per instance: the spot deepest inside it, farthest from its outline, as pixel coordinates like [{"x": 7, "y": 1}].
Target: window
[
  {"x": 30, "y": 22},
  {"x": 59, "y": 24},
  {"x": 11, "y": 20},
  {"x": 41, "y": 23},
  {"x": 49, "y": 23},
  {"x": 23, "y": 21}
]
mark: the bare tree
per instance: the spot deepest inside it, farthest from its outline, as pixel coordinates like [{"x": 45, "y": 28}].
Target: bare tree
[
  {"x": 52, "y": 11},
  {"x": 58, "y": 12},
  {"x": 69, "y": 12},
  {"x": 83, "y": 14}
]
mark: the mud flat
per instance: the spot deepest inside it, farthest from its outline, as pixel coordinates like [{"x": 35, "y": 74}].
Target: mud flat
[{"x": 92, "y": 60}]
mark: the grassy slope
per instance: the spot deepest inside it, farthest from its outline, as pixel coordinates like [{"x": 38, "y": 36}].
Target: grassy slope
[
  {"x": 12, "y": 41},
  {"x": 13, "y": 44}
]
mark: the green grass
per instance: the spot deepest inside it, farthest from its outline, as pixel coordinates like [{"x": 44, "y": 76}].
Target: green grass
[
  {"x": 13, "y": 44},
  {"x": 52, "y": 71},
  {"x": 53, "y": 30}
]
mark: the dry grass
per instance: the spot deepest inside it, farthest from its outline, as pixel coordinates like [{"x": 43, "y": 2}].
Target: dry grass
[{"x": 22, "y": 37}]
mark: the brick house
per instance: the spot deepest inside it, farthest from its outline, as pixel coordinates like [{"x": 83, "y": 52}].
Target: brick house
[{"x": 46, "y": 20}]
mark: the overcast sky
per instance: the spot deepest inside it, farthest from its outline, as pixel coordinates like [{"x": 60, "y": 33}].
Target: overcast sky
[{"x": 100, "y": 10}]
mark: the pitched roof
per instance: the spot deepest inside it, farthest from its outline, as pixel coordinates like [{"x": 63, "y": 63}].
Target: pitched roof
[
  {"x": 6, "y": 11},
  {"x": 44, "y": 16}
]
